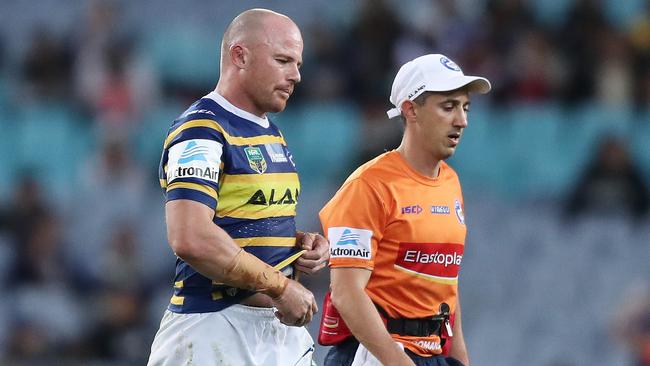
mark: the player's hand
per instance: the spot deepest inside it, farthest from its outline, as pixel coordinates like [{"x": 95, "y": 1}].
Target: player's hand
[
  {"x": 317, "y": 252},
  {"x": 296, "y": 306}
]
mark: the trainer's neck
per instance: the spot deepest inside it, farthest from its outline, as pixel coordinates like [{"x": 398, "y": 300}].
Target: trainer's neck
[{"x": 419, "y": 160}]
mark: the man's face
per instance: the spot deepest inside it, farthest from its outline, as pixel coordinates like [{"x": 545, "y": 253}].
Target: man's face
[
  {"x": 441, "y": 121},
  {"x": 274, "y": 67}
]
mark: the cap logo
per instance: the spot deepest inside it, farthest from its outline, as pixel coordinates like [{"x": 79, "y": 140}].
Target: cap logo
[
  {"x": 416, "y": 91},
  {"x": 451, "y": 65}
]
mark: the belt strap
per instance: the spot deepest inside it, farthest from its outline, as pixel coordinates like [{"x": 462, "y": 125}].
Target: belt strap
[
  {"x": 418, "y": 327},
  {"x": 414, "y": 327}
]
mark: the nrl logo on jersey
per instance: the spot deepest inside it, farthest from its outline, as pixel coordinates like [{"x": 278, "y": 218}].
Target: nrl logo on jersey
[{"x": 255, "y": 159}]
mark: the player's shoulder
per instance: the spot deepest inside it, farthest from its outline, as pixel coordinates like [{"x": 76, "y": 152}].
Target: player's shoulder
[{"x": 203, "y": 109}]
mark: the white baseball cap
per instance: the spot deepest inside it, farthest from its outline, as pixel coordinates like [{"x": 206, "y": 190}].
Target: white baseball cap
[{"x": 435, "y": 73}]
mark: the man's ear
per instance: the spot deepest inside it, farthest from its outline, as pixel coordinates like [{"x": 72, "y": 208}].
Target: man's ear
[
  {"x": 239, "y": 56},
  {"x": 409, "y": 110}
]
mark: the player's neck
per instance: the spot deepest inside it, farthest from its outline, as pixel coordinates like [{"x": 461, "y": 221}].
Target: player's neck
[
  {"x": 419, "y": 160},
  {"x": 236, "y": 96}
]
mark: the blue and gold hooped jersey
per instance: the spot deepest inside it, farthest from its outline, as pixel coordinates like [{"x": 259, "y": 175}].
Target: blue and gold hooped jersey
[{"x": 238, "y": 165}]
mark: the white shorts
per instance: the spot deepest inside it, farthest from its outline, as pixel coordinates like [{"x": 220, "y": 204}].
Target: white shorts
[
  {"x": 238, "y": 335},
  {"x": 363, "y": 357}
]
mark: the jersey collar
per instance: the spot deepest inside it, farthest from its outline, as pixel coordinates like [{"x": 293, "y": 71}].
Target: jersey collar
[{"x": 263, "y": 122}]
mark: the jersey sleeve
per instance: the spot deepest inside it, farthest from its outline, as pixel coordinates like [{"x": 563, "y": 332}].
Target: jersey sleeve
[
  {"x": 354, "y": 222},
  {"x": 192, "y": 161}
]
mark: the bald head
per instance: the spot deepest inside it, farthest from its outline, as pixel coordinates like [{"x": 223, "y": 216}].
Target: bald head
[
  {"x": 261, "y": 54},
  {"x": 252, "y": 27}
]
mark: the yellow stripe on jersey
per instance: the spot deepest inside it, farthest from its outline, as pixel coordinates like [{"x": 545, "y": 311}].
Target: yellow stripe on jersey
[
  {"x": 428, "y": 277},
  {"x": 266, "y": 241},
  {"x": 257, "y": 196},
  {"x": 194, "y": 186},
  {"x": 232, "y": 140},
  {"x": 178, "y": 284},
  {"x": 255, "y": 212},
  {"x": 163, "y": 183},
  {"x": 177, "y": 300},
  {"x": 256, "y": 178}
]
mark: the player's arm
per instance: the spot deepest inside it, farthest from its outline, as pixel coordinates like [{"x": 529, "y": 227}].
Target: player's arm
[
  {"x": 458, "y": 348},
  {"x": 212, "y": 252},
  {"x": 359, "y": 313}
]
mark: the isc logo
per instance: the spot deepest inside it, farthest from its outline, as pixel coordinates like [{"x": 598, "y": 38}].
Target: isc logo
[{"x": 415, "y": 209}]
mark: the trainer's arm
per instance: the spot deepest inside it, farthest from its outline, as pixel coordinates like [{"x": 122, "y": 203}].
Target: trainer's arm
[
  {"x": 359, "y": 313},
  {"x": 458, "y": 348}
]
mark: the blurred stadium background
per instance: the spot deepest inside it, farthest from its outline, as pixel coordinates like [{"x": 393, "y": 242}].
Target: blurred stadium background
[{"x": 555, "y": 163}]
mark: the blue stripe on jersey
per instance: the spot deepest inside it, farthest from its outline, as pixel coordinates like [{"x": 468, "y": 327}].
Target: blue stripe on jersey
[
  {"x": 191, "y": 194},
  {"x": 281, "y": 226}
]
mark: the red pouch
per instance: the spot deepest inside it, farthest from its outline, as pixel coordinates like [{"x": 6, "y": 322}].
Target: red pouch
[
  {"x": 332, "y": 329},
  {"x": 445, "y": 335}
]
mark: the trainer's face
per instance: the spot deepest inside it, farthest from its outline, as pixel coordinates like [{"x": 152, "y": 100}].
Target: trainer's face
[
  {"x": 274, "y": 66},
  {"x": 440, "y": 122}
]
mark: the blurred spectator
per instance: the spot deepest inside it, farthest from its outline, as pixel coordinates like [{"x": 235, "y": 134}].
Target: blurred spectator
[
  {"x": 611, "y": 185},
  {"x": 500, "y": 31},
  {"x": 115, "y": 100},
  {"x": 537, "y": 71},
  {"x": 116, "y": 175},
  {"x": 27, "y": 345},
  {"x": 121, "y": 265},
  {"x": 578, "y": 40},
  {"x": 614, "y": 85},
  {"x": 505, "y": 21},
  {"x": 642, "y": 92},
  {"x": 27, "y": 206},
  {"x": 118, "y": 334},
  {"x": 324, "y": 65},
  {"x": 632, "y": 324},
  {"x": 113, "y": 81},
  {"x": 113, "y": 188},
  {"x": 640, "y": 31},
  {"x": 640, "y": 39},
  {"x": 46, "y": 67},
  {"x": 369, "y": 50},
  {"x": 40, "y": 258},
  {"x": 97, "y": 33}
]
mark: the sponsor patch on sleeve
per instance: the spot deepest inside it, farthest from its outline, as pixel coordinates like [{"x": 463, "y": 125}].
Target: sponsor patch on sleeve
[
  {"x": 347, "y": 242},
  {"x": 198, "y": 158}
]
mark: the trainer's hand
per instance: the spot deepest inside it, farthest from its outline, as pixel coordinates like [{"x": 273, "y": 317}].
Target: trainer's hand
[
  {"x": 296, "y": 306},
  {"x": 317, "y": 254}
]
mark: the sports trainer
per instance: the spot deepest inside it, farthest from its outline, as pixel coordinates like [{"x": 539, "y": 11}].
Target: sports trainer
[
  {"x": 231, "y": 189},
  {"x": 397, "y": 230}
]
